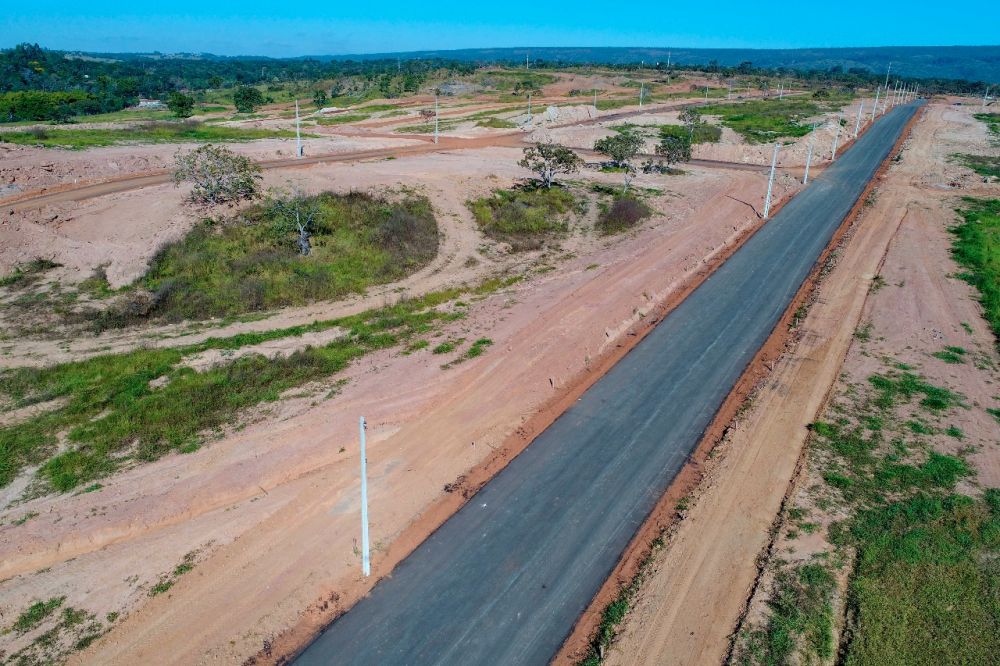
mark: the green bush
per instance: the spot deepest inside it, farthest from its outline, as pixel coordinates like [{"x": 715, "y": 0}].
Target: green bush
[{"x": 524, "y": 216}]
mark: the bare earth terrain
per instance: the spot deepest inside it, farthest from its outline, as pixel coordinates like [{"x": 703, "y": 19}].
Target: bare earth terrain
[{"x": 267, "y": 513}]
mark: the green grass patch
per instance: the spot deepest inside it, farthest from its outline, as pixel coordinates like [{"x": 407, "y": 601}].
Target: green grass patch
[
  {"x": 524, "y": 216},
  {"x": 992, "y": 121},
  {"x": 984, "y": 165},
  {"x": 952, "y": 355},
  {"x": 496, "y": 123},
  {"x": 112, "y": 414},
  {"x": 926, "y": 583},
  {"x": 232, "y": 267},
  {"x": 801, "y": 615},
  {"x": 342, "y": 119},
  {"x": 153, "y": 132},
  {"x": 700, "y": 133},
  {"x": 35, "y": 614},
  {"x": 976, "y": 247},
  {"x": 478, "y": 348},
  {"x": 26, "y": 274},
  {"x": 762, "y": 121}
]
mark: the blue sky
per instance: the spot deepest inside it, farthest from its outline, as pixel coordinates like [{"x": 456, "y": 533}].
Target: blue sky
[{"x": 336, "y": 27}]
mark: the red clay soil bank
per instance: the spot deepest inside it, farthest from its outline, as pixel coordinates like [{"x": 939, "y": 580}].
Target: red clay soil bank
[{"x": 664, "y": 514}]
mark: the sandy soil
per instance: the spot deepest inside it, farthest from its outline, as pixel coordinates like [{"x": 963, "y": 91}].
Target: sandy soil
[
  {"x": 271, "y": 510},
  {"x": 690, "y": 606}
]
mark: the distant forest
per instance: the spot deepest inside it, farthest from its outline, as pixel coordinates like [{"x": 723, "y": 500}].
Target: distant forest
[{"x": 42, "y": 84}]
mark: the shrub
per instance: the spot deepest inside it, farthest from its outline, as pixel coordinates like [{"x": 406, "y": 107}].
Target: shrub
[{"x": 624, "y": 213}]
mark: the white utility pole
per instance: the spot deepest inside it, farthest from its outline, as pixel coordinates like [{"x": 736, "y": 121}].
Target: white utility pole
[
  {"x": 298, "y": 133},
  {"x": 809, "y": 155},
  {"x": 986, "y": 97},
  {"x": 836, "y": 138},
  {"x": 875, "y": 108},
  {"x": 781, "y": 91},
  {"x": 435, "y": 118},
  {"x": 641, "y": 86},
  {"x": 887, "y": 70},
  {"x": 526, "y": 61},
  {"x": 529, "y": 107},
  {"x": 857, "y": 123},
  {"x": 770, "y": 181},
  {"x": 366, "y": 562},
  {"x": 706, "y": 94}
]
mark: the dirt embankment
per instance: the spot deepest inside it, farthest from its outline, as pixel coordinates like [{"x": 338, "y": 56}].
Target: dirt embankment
[{"x": 698, "y": 591}]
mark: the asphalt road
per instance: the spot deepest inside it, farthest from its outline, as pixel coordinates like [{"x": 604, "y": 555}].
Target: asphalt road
[{"x": 505, "y": 579}]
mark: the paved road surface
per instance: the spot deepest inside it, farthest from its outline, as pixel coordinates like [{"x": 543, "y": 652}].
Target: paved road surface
[{"x": 504, "y": 580}]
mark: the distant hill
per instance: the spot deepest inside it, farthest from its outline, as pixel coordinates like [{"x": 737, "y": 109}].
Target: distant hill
[{"x": 972, "y": 63}]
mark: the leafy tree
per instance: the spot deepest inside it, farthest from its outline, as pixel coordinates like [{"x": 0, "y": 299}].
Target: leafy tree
[
  {"x": 247, "y": 99},
  {"x": 319, "y": 98},
  {"x": 691, "y": 119},
  {"x": 181, "y": 105},
  {"x": 622, "y": 149},
  {"x": 674, "y": 149},
  {"x": 548, "y": 159},
  {"x": 219, "y": 175}
]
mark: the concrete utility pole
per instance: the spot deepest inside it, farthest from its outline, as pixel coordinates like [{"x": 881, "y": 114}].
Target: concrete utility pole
[
  {"x": 770, "y": 182},
  {"x": 986, "y": 97},
  {"x": 366, "y": 562},
  {"x": 526, "y": 61},
  {"x": 706, "y": 94},
  {"x": 529, "y": 107},
  {"x": 640, "y": 94},
  {"x": 875, "y": 108},
  {"x": 298, "y": 134},
  {"x": 435, "y": 118},
  {"x": 836, "y": 138},
  {"x": 887, "y": 70},
  {"x": 809, "y": 155},
  {"x": 781, "y": 91},
  {"x": 857, "y": 123}
]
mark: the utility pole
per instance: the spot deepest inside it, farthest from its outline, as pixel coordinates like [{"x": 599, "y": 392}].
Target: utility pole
[
  {"x": 366, "y": 563},
  {"x": 526, "y": 61},
  {"x": 836, "y": 138},
  {"x": 435, "y": 117},
  {"x": 641, "y": 87},
  {"x": 887, "y": 70},
  {"x": 986, "y": 97},
  {"x": 857, "y": 123},
  {"x": 781, "y": 91},
  {"x": 809, "y": 155},
  {"x": 770, "y": 181},
  {"x": 298, "y": 133},
  {"x": 706, "y": 94},
  {"x": 529, "y": 107},
  {"x": 875, "y": 108}
]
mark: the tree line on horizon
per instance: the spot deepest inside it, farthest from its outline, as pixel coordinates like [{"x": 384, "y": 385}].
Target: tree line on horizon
[{"x": 44, "y": 84}]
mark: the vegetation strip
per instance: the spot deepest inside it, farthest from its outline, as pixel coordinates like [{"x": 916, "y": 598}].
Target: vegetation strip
[{"x": 137, "y": 406}]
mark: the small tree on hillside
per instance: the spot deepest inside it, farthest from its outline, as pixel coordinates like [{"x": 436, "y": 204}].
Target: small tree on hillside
[
  {"x": 294, "y": 212},
  {"x": 622, "y": 149},
  {"x": 674, "y": 149},
  {"x": 181, "y": 105},
  {"x": 247, "y": 99},
  {"x": 691, "y": 119},
  {"x": 319, "y": 98},
  {"x": 219, "y": 175},
  {"x": 548, "y": 159}
]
